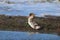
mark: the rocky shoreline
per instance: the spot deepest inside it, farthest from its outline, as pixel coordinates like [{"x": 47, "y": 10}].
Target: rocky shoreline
[{"x": 49, "y": 24}]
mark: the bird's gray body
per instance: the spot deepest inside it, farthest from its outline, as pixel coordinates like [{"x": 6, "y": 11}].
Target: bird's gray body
[{"x": 33, "y": 24}]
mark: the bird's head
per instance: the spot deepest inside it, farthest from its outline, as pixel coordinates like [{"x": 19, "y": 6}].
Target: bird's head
[{"x": 31, "y": 15}]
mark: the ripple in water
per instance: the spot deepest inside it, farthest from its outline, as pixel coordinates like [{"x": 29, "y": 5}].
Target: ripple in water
[{"x": 10, "y": 35}]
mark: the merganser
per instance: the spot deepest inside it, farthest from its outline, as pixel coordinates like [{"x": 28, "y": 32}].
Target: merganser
[{"x": 31, "y": 22}]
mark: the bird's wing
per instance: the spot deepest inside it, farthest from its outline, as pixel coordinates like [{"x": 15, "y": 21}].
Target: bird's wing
[{"x": 34, "y": 23}]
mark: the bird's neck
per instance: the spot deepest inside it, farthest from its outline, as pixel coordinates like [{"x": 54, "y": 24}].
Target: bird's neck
[{"x": 30, "y": 19}]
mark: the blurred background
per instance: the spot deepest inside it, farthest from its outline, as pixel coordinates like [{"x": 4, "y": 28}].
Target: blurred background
[{"x": 24, "y": 7}]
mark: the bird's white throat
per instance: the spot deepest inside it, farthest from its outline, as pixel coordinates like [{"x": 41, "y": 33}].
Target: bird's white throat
[{"x": 30, "y": 18}]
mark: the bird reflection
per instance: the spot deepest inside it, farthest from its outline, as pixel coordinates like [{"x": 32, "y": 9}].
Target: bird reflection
[{"x": 31, "y": 33}]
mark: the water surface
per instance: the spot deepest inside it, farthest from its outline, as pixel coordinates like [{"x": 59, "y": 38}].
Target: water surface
[
  {"x": 25, "y": 9},
  {"x": 13, "y": 35}
]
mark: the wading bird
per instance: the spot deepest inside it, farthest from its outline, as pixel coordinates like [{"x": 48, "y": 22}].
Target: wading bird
[{"x": 31, "y": 22}]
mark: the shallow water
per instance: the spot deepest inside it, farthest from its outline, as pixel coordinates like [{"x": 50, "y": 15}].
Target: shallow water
[{"x": 13, "y": 35}]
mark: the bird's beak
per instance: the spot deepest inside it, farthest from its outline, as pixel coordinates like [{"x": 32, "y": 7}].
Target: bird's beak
[{"x": 34, "y": 14}]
